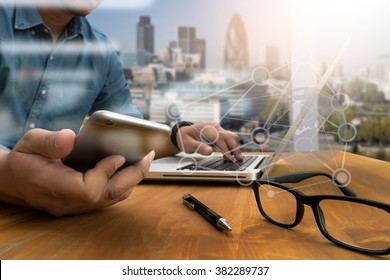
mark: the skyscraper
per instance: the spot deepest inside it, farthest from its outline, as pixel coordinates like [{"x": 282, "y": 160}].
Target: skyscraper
[
  {"x": 236, "y": 56},
  {"x": 201, "y": 49},
  {"x": 187, "y": 39},
  {"x": 145, "y": 35},
  {"x": 190, "y": 51}
]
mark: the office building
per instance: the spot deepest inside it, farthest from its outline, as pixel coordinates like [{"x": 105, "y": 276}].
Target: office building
[
  {"x": 187, "y": 39},
  {"x": 145, "y": 39},
  {"x": 188, "y": 53},
  {"x": 201, "y": 49},
  {"x": 236, "y": 56}
]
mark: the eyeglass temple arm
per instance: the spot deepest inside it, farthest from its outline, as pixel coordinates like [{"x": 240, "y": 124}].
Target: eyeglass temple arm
[{"x": 300, "y": 176}]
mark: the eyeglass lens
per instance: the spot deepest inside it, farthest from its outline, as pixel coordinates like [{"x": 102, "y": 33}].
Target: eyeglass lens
[
  {"x": 278, "y": 204},
  {"x": 357, "y": 224},
  {"x": 353, "y": 223}
]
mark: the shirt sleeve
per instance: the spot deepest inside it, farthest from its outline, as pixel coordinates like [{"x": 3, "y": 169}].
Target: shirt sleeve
[
  {"x": 4, "y": 148},
  {"x": 115, "y": 95}
]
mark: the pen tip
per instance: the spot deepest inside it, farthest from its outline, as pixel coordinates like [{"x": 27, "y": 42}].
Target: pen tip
[{"x": 223, "y": 225}]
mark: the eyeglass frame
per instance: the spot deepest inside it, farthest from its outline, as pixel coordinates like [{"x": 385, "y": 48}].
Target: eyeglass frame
[{"x": 313, "y": 201}]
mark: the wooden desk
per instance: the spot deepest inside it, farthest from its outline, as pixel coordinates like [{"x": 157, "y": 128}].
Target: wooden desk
[{"x": 154, "y": 224}]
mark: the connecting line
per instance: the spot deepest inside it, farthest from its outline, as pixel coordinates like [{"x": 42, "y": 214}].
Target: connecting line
[
  {"x": 242, "y": 146},
  {"x": 324, "y": 164},
  {"x": 287, "y": 158},
  {"x": 326, "y": 119},
  {"x": 333, "y": 154},
  {"x": 217, "y": 92},
  {"x": 279, "y": 89},
  {"x": 301, "y": 176},
  {"x": 301, "y": 187},
  {"x": 325, "y": 81},
  {"x": 344, "y": 154},
  {"x": 282, "y": 139},
  {"x": 281, "y": 67},
  {"x": 237, "y": 102},
  {"x": 276, "y": 105},
  {"x": 238, "y": 119}
]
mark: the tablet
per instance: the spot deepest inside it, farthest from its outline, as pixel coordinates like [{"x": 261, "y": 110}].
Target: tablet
[{"x": 107, "y": 133}]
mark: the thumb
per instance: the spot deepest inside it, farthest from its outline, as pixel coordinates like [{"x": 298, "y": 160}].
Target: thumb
[{"x": 50, "y": 144}]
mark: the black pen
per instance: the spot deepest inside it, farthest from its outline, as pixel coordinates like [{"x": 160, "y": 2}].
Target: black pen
[{"x": 206, "y": 212}]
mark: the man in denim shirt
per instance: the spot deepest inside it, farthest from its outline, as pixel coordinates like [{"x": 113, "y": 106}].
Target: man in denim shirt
[{"x": 55, "y": 69}]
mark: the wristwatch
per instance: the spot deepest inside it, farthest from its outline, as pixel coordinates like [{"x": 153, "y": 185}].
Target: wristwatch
[{"x": 175, "y": 129}]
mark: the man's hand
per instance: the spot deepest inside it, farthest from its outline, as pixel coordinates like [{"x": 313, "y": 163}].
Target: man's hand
[
  {"x": 33, "y": 174},
  {"x": 207, "y": 137}
]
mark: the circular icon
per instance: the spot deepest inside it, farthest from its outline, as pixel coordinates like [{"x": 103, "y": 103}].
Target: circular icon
[
  {"x": 347, "y": 132},
  {"x": 343, "y": 176},
  {"x": 186, "y": 161},
  {"x": 241, "y": 182},
  {"x": 270, "y": 193},
  {"x": 340, "y": 102},
  {"x": 209, "y": 135},
  {"x": 173, "y": 111},
  {"x": 260, "y": 76},
  {"x": 260, "y": 136}
]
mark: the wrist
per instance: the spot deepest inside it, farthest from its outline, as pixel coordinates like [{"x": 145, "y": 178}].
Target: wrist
[{"x": 175, "y": 130}]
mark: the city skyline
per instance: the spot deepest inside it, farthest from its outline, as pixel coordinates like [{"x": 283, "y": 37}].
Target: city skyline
[
  {"x": 266, "y": 22},
  {"x": 214, "y": 32}
]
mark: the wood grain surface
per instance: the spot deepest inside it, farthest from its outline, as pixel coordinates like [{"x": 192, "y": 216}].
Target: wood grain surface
[{"x": 154, "y": 224}]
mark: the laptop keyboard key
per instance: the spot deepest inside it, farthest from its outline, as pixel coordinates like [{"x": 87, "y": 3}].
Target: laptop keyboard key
[{"x": 221, "y": 164}]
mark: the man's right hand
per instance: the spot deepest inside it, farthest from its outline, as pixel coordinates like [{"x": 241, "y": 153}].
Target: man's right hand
[{"x": 32, "y": 174}]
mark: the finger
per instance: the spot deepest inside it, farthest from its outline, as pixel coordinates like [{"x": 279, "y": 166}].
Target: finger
[
  {"x": 185, "y": 137},
  {"x": 215, "y": 136},
  {"x": 193, "y": 145},
  {"x": 204, "y": 149},
  {"x": 79, "y": 193},
  {"x": 90, "y": 187},
  {"x": 50, "y": 144},
  {"x": 121, "y": 183},
  {"x": 232, "y": 143},
  {"x": 101, "y": 183},
  {"x": 223, "y": 148}
]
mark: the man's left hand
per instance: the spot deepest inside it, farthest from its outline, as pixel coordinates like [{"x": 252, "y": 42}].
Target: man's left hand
[{"x": 208, "y": 137}]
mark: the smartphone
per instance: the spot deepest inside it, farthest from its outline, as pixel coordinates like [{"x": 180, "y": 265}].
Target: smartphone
[{"x": 107, "y": 133}]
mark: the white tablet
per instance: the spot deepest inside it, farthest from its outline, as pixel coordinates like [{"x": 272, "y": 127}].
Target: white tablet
[{"x": 107, "y": 133}]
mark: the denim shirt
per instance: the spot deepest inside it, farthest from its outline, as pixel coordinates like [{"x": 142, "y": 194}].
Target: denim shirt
[{"x": 55, "y": 85}]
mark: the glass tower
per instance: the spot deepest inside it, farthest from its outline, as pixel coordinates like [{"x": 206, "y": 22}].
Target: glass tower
[
  {"x": 145, "y": 35},
  {"x": 236, "y": 46}
]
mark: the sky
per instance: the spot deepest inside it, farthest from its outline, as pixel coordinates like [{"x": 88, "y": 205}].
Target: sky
[{"x": 365, "y": 22}]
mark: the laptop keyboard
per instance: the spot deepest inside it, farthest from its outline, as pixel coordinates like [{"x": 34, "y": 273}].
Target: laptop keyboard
[{"x": 221, "y": 164}]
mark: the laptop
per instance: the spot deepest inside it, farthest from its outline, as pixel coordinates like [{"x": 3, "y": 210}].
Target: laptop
[{"x": 214, "y": 168}]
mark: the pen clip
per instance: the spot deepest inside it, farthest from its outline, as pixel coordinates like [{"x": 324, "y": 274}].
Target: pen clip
[{"x": 189, "y": 204}]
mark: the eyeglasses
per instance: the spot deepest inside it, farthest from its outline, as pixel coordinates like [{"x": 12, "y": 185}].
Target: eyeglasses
[{"x": 357, "y": 224}]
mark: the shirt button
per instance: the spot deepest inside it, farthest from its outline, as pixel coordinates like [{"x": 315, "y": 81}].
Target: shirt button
[
  {"x": 45, "y": 30},
  {"x": 51, "y": 57},
  {"x": 32, "y": 125},
  {"x": 43, "y": 92},
  {"x": 33, "y": 32}
]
